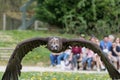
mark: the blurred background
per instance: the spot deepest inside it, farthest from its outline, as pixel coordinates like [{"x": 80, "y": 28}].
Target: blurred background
[{"x": 23, "y": 19}]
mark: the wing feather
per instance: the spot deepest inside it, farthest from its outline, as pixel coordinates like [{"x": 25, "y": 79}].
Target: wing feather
[
  {"x": 14, "y": 64},
  {"x": 114, "y": 74}
]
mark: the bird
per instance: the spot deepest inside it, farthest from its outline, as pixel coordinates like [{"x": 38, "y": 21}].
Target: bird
[{"x": 56, "y": 45}]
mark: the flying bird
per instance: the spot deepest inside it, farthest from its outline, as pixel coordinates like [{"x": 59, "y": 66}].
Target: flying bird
[{"x": 54, "y": 44}]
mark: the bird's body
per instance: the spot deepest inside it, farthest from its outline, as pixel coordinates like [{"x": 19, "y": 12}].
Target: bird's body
[{"x": 54, "y": 44}]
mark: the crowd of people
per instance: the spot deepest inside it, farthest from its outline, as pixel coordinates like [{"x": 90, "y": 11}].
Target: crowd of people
[{"x": 77, "y": 57}]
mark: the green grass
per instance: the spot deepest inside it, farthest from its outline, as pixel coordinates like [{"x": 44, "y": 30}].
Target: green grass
[
  {"x": 11, "y": 38},
  {"x": 61, "y": 76}
]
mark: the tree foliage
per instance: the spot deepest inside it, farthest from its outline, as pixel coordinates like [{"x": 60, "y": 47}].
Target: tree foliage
[{"x": 81, "y": 16}]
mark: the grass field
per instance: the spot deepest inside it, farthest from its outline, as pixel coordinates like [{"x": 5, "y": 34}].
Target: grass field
[
  {"x": 61, "y": 76},
  {"x": 12, "y": 37}
]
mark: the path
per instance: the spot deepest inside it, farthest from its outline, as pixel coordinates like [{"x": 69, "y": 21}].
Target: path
[{"x": 48, "y": 69}]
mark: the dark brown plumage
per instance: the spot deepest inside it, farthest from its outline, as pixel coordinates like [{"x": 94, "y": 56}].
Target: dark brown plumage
[{"x": 54, "y": 44}]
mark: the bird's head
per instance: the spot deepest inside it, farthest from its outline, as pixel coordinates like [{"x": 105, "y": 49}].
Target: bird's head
[{"x": 55, "y": 44}]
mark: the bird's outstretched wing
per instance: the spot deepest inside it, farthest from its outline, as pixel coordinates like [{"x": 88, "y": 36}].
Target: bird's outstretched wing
[
  {"x": 14, "y": 66},
  {"x": 114, "y": 74}
]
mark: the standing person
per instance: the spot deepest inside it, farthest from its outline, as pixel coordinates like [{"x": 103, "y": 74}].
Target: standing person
[{"x": 75, "y": 55}]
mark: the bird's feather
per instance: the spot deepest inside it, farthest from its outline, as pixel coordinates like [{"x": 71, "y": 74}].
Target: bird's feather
[{"x": 14, "y": 65}]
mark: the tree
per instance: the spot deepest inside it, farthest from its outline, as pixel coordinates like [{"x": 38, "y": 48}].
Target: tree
[{"x": 81, "y": 16}]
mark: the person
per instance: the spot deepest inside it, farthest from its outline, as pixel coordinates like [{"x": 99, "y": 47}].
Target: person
[
  {"x": 115, "y": 54},
  {"x": 96, "y": 57},
  {"x": 64, "y": 56},
  {"x": 106, "y": 45},
  {"x": 88, "y": 59},
  {"x": 53, "y": 59},
  {"x": 111, "y": 38},
  {"x": 76, "y": 54},
  {"x": 117, "y": 41},
  {"x": 84, "y": 55}
]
